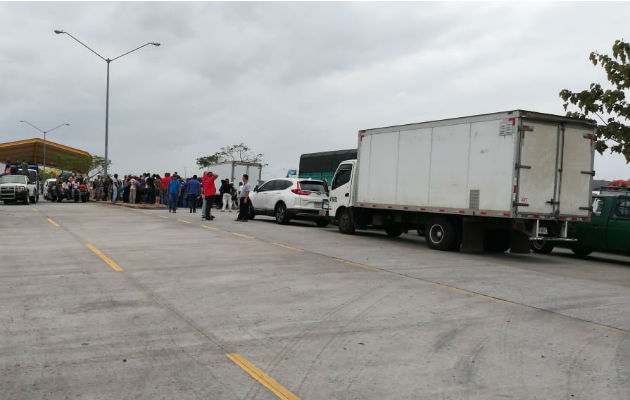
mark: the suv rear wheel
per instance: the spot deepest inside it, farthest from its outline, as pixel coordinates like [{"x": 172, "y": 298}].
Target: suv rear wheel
[{"x": 282, "y": 216}]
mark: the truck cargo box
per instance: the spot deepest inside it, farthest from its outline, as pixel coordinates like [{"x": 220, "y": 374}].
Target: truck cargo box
[{"x": 507, "y": 164}]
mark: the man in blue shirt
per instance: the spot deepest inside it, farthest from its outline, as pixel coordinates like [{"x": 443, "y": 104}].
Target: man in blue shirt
[
  {"x": 174, "y": 189},
  {"x": 192, "y": 189}
]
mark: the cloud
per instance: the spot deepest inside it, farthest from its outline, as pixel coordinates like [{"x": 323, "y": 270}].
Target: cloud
[{"x": 286, "y": 78}]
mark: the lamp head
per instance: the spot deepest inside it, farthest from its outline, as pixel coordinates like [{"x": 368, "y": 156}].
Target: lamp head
[
  {"x": 59, "y": 31},
  {"x": 155, "y": 44}
]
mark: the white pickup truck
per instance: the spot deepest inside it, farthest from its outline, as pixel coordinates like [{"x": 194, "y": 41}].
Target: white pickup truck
[{"x": 14, "y": 188}]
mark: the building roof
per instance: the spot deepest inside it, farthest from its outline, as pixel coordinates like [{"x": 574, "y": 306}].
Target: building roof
[{"x": 32, "y": 150}]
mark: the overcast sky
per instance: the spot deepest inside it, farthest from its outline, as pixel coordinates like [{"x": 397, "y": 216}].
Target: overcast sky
[{"x": 287, "y": 78}]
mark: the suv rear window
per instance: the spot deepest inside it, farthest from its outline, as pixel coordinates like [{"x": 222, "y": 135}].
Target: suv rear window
[{"x": 312, "y": 186}]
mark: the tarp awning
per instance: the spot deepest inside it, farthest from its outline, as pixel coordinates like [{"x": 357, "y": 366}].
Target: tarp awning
[{"x": 32, "y": 151}]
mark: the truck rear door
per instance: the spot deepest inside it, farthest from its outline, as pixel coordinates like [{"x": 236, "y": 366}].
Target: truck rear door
[
  {"x": 555, "y": 169},
  {"x": 576, "y": 171},
  {"x": 537, "y": 167}
]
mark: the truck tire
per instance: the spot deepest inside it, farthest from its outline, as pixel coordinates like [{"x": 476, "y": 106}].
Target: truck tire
[
  {"x": 393, "y": 231},
  {"x": 281, "y": 214},
  {"x": 27, "y": 200},
  {"x": 322, "y": 223},
  {"x": 581, "y": 251},
  {"x": 496, "y": 241},
  {"x": 441, "y": 234},
  {"x": 542, "y": 246},
  {"x": 346, "y": 221}
]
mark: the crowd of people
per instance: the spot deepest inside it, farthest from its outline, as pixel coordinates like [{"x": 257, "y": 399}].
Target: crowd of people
[{"x": 175, "y": 192}]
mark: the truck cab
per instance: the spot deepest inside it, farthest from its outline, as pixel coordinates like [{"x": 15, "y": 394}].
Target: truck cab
[
  {"x": 16, "y": 187},
  {"x": 609, "y": 228},
  {"x": 341, "y": 194},
  {"x": 607, "y": 231}
]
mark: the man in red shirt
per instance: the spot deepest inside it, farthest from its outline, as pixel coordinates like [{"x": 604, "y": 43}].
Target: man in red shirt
[
  {"x": 209, "y": 190},
  {"x": 165, "y": 181}
]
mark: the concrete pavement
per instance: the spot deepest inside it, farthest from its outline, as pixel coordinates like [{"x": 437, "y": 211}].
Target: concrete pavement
[{"x": 311, "y": 313}]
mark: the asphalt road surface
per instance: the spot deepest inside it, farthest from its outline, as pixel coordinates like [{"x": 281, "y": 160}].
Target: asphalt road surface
[{"x": 107, "y": 302}]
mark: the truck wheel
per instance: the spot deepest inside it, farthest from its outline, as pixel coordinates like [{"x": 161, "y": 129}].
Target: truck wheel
[
  {"x": 440, "y": 234},
  {"x": 282, "y": 216},
  {"x": 27, "y": 200},
  {"x": 581, "y": 251},
  {"x": 322, "y": 223},
  {"x": 496, "y": 241},
  {"x": 393, "y": 231},
  {"x": 346, "y": 221},
  {"x": 542, "y": 246}
]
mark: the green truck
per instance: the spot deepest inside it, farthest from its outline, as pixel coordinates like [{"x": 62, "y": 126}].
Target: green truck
[{"x": 608, "y": 230}]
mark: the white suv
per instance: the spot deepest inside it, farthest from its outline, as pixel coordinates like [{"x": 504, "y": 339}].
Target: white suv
[{"x": 291, "y": 198}]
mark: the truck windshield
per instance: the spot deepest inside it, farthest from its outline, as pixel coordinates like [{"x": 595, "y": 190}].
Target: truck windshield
[
  {"x": 13, "y": 179},
  {"x": 312, "y": 186}
]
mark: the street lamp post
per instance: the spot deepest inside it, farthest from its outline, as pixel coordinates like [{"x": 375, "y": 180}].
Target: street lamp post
[
  {"x": 108, "y": 61},
  {"x": 45, "y": 132}
]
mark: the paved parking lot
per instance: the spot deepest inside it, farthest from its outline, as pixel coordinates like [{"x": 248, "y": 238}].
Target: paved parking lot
[{"x": 107, "y": 302}]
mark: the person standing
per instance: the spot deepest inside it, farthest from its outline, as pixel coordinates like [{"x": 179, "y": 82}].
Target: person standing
[
  {"x": 157, "y": 181},
  {"x": 24, "y": 167},
  {"x": 192, "y": 190},
  {"x": 174, "y": 190},
  {"x": 132, "y": 191},
  {"x": 244, "y": 200},
  {"x": 7, "y": 167},
  {"x": 165, "y": 181},
  {"x": 209, "y": 190},
  {"x": 115, "y": 188},
  {"x": 226, "y": 195}
]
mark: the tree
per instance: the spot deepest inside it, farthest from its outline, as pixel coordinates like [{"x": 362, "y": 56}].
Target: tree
[
  {"x": 91, "y": 167},
  {"x": 610, "y": 105},
  {"x": 235, "y": 152},
  {"x": 72, "y": 163}
]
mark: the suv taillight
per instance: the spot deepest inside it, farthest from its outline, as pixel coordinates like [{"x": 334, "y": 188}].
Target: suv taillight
[{"x": 299, "y": 192}]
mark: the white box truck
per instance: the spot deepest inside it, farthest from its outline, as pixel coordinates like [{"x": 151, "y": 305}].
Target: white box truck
[
  {"x": 234, "y": 170},
  {"x": 487, "y": 182}
]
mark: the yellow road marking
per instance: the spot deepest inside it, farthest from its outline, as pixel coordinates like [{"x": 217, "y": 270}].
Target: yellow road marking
[
  {"x": 183, "y": 221},
  {"x": 163, "y": 216},
  {"x": 464, "y": 291},
  {"x": 212, "y": 228},
  {"x": 264, "y": 379},
  {"x": 242, "y": 235},
  {"x": 355, "y": 264},
  {"x": 52, "y": 222},
  {"x": 287, "y": 247},
  {"x": 103, "y": 257},
  {"x": 146, "y": 212},
  {"x": 35, "y": 209}
]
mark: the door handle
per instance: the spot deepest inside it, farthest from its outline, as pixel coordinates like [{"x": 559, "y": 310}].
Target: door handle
[{"x": 347, "y": 195}]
